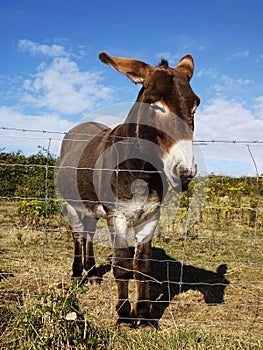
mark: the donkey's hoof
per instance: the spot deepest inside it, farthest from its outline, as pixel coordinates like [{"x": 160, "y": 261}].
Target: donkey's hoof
[
  {"x": 147, "y": 325},
  {"x": 93, "y": 280},
  {"x": 76, "y": 278},
  {"x": 125, "y": 323},
  {"x": 145, "y": 321}
]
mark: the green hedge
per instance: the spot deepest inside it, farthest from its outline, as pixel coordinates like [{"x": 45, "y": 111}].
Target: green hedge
[{"x": 27, "y": 176}]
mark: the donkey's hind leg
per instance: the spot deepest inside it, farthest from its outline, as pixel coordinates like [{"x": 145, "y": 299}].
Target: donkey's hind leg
[
  {"x": 77, "y": 234},
  {"x": 82, "y": 231},
  {"x": 88, "y": 252}
]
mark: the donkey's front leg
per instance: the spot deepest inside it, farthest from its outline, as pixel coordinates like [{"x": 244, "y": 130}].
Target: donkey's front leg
[
  {"x": 142, "y": 271},
  {"x": 142, "y": 276},
  {"x": 122, "y": 266}
]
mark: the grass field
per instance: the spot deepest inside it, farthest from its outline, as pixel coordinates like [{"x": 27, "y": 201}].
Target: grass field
[{"x": 41, "y": 308}]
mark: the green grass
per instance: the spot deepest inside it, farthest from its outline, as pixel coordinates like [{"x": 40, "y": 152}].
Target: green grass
[
  {"x": 41, "y": 309},
  {"x": 55, "y": 321}
]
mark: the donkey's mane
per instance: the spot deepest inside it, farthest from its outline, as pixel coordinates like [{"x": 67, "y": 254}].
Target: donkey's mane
[{"x": 163, "y": 63}]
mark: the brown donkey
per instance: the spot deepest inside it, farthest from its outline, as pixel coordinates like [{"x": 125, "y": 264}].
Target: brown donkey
[{"x": 122, "y": 175}]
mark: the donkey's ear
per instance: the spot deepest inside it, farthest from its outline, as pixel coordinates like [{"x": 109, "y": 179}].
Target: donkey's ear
[
  {"x": 135, "y": 70},
  {"x": 186, "y": 65},
  {"x": 222, "y": 269}
]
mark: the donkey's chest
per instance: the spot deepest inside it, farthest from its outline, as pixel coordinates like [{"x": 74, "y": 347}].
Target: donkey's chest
[{"x": 138, "y": 211}]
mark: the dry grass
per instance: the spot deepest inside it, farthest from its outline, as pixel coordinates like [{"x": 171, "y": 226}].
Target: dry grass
[{"x": 33, "y": 261}]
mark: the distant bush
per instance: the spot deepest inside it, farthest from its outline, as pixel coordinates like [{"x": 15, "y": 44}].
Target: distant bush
[
  {"x": 30, "y": 181},
  {"x": 27, "y": 176}
]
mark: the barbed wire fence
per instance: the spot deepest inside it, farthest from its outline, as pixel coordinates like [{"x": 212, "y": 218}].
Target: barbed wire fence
[{"x": 186, "y": 262}]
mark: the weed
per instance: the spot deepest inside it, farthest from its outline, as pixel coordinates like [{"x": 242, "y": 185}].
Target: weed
[{"x": 54, "y": 322}]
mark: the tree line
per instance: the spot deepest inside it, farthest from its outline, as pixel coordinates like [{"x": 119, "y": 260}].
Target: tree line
[
  {"x": 29, "y": 180},
  {"x": 32, "y": 176}
]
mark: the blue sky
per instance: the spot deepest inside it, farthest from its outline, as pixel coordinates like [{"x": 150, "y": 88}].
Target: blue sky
[{"x": 50, "y": 75}]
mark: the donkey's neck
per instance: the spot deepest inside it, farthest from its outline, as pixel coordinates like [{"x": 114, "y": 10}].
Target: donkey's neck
[{"x": 142, "y": 121}]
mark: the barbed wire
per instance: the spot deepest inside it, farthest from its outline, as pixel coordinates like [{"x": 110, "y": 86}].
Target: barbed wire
[
  {"x": 32, "y": 130},
  {"x": 196, "y": 141}
]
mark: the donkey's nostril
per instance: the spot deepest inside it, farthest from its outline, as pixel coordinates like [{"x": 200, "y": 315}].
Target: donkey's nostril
[
  {"x": 186, "y": 176},
  {"x": 195, "y": 171}
]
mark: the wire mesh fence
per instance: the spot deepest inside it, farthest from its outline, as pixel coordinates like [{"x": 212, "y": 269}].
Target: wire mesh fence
[{"x": 206, "y": 274}]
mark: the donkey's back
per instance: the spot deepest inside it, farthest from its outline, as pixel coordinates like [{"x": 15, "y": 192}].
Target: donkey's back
[
  {"x": 76, "y": 140},
  {"x": 83, "y": 140}
]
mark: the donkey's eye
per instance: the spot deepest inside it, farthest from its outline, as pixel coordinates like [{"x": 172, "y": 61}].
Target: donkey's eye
[
  {"x": 194, "y": 109},
  {"x": 195, "y": 105}
]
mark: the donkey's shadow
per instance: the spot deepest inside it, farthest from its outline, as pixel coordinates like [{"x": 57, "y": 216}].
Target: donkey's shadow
[
  {"x": 169, "y": 278},
  {"x": 173, "y": 278}
]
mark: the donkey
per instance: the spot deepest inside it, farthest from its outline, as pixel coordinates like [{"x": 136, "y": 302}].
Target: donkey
[{"x": 122, "y": 175}]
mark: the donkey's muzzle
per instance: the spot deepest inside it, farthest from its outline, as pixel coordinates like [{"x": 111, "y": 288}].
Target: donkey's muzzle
[{"x": 186, "y": 177}]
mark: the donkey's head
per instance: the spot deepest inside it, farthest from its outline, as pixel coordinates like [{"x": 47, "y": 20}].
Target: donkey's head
[{"x": 173, "y": 103}]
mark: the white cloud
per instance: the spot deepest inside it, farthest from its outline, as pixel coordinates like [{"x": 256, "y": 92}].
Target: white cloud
[
  {"x": 259, "y": 107},
  {"x": 57, "y": 87},
  {"x": 34, "y": 48},
  {"x": 111, "y": 116},
  {"x": 64, "y": 88},
  {"x": 60, "y": 85},
  {"x": 210, "y": 72},
  {"x": 240, "y": 54},
  {"x": 228, "y": 84},
  {"x": 20, "y": 131},
  {"x": 16, "y": 134},
  {"x": 228, "y": 120}
]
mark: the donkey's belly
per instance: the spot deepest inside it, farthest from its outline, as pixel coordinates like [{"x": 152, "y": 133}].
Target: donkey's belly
[{"x": 96, "y": 211}]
